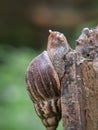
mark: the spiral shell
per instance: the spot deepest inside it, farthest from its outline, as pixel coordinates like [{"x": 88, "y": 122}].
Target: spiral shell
[{"x": 44, "y": 89}]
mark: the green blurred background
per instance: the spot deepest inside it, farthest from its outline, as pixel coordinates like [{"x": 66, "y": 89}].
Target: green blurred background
[{"x": 24, "y": 26}]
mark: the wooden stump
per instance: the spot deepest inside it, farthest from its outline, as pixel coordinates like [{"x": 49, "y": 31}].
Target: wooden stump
[
  {"x": 79, "y": 100},
  {"x": 72, "y": 102}
]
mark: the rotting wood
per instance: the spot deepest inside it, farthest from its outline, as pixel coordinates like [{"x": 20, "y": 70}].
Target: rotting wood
[
  {"x": 79, "y": 94},
  {"x": 72, "y": 103}
]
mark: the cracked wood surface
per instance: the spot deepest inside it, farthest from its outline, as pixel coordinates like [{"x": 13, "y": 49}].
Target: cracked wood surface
[
  {"x": 79, "y": 100},
  {"x": 79, "y": 95},
  {"x": 71, "y": 99}
]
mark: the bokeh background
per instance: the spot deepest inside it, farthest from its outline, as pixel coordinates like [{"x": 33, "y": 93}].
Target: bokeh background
[{"x": 24, "y": 26}]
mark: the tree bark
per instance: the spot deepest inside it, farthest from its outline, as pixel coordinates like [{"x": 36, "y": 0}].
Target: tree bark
[
  {"x": 79, "y": 95},
  {"x": 72, "y": 102},
  {"x": 79, "y": 100}
]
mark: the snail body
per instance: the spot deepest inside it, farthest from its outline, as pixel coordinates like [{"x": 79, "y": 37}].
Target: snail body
[{"x": 57, "y": 47}]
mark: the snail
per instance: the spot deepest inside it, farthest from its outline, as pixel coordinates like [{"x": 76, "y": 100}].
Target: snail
[{"x": 43, "y": 77}]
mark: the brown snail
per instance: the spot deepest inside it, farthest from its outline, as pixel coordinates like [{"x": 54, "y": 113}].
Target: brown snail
[{"x": 43, "y": 80}]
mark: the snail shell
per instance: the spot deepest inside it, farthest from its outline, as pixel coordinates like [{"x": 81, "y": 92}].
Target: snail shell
[{"x": 44, "y": 89}]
